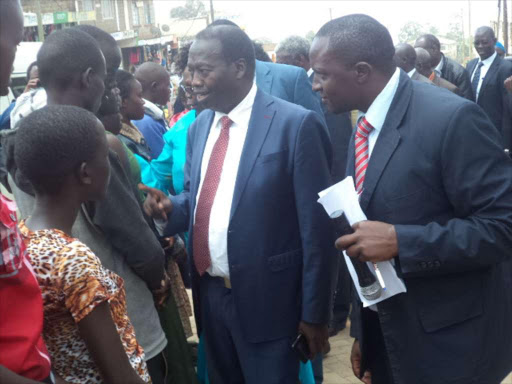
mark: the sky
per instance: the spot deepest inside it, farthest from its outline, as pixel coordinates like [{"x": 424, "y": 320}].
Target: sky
[{"x": 277, "y": 19}]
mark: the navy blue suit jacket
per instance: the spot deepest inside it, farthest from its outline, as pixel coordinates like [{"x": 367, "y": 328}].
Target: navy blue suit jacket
[
  {"x": 287, "y": 82},
  {"x": 280, "y": 241},
  {"x": 493, "y": 97},
  {"x": 439, "y": 174}
]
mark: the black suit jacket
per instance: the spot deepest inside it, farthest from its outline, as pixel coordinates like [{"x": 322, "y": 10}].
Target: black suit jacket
[
  {"x": 340, "y": 131},
  {"x": 493, "y": 97},
  {"x": 439, "y": 174},
  {"x": 457, "y": 75}
]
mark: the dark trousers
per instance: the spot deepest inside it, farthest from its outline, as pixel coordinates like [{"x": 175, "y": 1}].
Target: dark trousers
[
  {"x": 341, "y": 306},
  {"x": 157, "y": 368},
  {"x": 231, "y": 359},
  {"x": 375, "y": 350}
]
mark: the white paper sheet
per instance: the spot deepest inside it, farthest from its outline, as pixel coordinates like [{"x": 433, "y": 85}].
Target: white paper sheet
[{"x": 342, "y": 198}]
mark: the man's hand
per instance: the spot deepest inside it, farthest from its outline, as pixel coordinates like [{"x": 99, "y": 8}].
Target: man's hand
[
  {"x": 317, "y": 336},
  {"x": 32, "y": 84},
  {"x": 355, "y": 359},
  {"x": 157, "y": 205},
  {"x": 508, "y": 84},
  {"x": 372, "y": 241}
]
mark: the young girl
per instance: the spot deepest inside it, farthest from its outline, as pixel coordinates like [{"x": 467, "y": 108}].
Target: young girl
[{"x": 63, "y": 152}]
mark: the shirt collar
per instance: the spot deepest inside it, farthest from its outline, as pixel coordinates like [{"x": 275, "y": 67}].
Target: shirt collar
[
  {"x": 439, "y": 66},
  {"x": 376, "y": 114},
  {"x": 153, "y": 109},
  {"x": 310, "y": 72},
  {"x": 487, "y": 62},
  {"x": 240, "y": 113},
  {"x": 411, "y": 73}
]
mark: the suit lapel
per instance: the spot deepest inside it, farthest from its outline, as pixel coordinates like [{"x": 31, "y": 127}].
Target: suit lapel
[
  {"x": 387, "y": 141},
  {"x": 200, "y": 143},
  {"x": 259, "y": 124},
  {"x": 471, "y": 67},
  {"x": 491, "y": 73},
  {"x": 263, "y": 77}
]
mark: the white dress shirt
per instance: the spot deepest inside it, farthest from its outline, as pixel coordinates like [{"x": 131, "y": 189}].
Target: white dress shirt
[
  {"x": 411, "y": 73},
  {"x": 483, "y": 71},
  {"x": 221, "y": 208},
  {"x": 376, "y": 114},
  {"x": 439, "y": 67},
  {"x": 310, "y": 72}
]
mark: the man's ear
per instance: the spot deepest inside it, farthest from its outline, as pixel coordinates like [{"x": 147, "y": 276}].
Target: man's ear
[
  {"x": 84, "y": 175},
  {"x": 241, "y": 68},
  {"x": 154, "y": 85},
  {"x": 86, "y": 78},
  {"x": 363, "y": 72}
]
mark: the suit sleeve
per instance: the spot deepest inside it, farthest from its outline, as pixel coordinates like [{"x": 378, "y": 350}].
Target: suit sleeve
[
  {"x": 312, "y": 175},
  {"x": 178, "y": 220},
  {"x": 477, "y": 180},
  {"x": 304, "y": 95},
  {"x": 121, "y": 219},
  {"x": 464, "y": 84}
]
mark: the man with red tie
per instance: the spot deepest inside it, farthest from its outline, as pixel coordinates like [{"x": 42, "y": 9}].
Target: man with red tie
[
  {"x": 262, "y": 250},
  {"x": 436, "y": 188}
]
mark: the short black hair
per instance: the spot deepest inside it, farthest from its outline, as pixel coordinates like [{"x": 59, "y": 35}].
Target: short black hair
[
  {"x": 124, "y": 83},
  {"x": 182, "y": 58},
  {"x": 260, "y": 53},
  {"x": 66, "y": 53},
  {"x": 52, "y": 142},
  {"x": 223, "y": 22},
  {"x": 32, "y": 65},
  {"x": 486, "y": 30},
  {"x": 235, "y": 44},
  {"x": 357, "y": 38},
  {"x": 431, "y": 40},
  {"x": 104, "y": 39}
]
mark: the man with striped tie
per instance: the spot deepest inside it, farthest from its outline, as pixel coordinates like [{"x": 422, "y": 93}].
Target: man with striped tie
[{"x": 436, "y": 187}]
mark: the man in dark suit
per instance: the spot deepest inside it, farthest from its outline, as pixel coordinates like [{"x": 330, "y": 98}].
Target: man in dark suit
[
  {"x": 436, "y": 187},
  {"x": 488, "y": 74},
  {"x": 261, "y": 247},
  {"x": 405, "y": 58},
  {"x": 445, "y": 67}
]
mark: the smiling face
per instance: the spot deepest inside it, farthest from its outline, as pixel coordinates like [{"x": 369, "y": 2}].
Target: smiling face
[
  {"x": 484, "y": 44},
  {"x": 334, "y": 81},
  {"x": 214, "y": 80}
]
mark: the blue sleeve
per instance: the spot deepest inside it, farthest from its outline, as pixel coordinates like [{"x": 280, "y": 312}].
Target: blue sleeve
[
  {"x": 158, "y": 173},
  {"x": 153, "y": 132}
]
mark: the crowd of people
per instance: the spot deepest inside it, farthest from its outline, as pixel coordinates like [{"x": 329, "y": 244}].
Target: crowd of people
[{"x": 121, "y": 209}]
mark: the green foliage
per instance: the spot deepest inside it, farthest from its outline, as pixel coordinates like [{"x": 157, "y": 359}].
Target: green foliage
[
  {"x": 310, "y": 36},
  {"x": 191, "y": 9},
  {"x": 411, "y": 30}
]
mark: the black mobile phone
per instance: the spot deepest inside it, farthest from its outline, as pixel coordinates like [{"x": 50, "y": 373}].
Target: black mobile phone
[{"x": 300, "y": 346}]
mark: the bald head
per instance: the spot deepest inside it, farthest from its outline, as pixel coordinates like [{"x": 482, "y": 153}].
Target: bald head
[
  {"x": 405, "y": 57},
  {"x": 423, "y": 62},
  {"x": 155, "y": 82}
]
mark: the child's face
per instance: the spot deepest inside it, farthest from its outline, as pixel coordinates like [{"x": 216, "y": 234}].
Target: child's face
[{"x": 99, "y": 167}]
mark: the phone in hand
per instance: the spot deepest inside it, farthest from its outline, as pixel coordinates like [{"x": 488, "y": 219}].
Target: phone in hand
[{"x": 301, "y": 347}]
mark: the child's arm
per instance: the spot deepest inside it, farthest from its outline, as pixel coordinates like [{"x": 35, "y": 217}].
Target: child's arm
[{"x": 102, "y": 339}]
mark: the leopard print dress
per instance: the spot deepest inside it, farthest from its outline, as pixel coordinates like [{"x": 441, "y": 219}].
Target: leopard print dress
[{"x": 73, "y": 282}]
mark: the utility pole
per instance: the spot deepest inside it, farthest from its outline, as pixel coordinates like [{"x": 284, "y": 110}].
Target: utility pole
[
  {"x": 470, "y": 31},
  {"x": 40, "y": 30},
  {"x": 499, "y": 17},
  {"x": 211, "y": 11},
  {"x": 330, "y": 13},
  {"x": 505, "y": 25}
]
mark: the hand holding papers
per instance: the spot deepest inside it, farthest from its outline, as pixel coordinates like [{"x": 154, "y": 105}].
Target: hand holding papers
[{"x": 340, "y": 199}]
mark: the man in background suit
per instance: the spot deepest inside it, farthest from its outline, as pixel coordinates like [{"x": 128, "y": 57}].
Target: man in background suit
[
  {"x": 436, "y": 188},
  {"x": 424, "y": 66},
  {"x": 445, "y": 67},
  {"x": 405, "y": 58},
  {"x": 488, "y": 74},
  {"x": 261, "y": 246}
]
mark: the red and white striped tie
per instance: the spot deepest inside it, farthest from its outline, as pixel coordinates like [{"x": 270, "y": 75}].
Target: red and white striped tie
[{"x": 362, "y": 153}]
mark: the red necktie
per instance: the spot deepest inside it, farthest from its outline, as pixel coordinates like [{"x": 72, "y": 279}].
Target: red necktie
[
  {"x": 201, "y": 248},
  {"x": 362, "y": 154}
]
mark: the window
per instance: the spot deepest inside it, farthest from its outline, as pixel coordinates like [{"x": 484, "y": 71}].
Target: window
[
  {"x": 147, "y": 12},
  {"x": 135, "y": 13},
  {"x": 87, "y": 5},
  {"x": 107, "y": 9}
]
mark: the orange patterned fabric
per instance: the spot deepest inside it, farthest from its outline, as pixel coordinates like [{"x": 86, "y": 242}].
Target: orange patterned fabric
[{"x": 73, "y": 282}]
